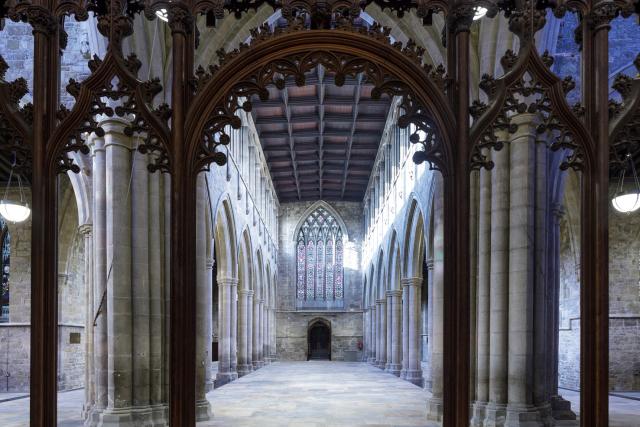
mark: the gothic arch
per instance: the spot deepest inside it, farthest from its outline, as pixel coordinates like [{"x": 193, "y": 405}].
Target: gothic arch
[
  {"x": 380, "y": 276},
  {"x": 251, "y": 69},
  {"x": 245, "y": 262},
  {"x": 225, "y": 240},
  {"x": 259, "y": 286},
  {"x": 328, "y": 208},
  {"x": 414, "y": 242},
  {"x": 394, "y": 269}
]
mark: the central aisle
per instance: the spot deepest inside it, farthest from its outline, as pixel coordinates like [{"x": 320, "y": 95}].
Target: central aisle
[{"x": 318, "y": 393}]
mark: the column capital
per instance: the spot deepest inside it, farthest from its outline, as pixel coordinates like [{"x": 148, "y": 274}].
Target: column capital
[
  {"x": 247, "y": 292},
  {"x": 394, "y": 293},
  {"x": 381, "y": 301},
  {"x": 227, "y": 281},
  {"x": 261, "y": 301},
  {"x": 411, "y": 281},
  {"x": 209, "y": 264},
  {"x": 85, "y": 229},
  {"x": 430, "y": 264}
]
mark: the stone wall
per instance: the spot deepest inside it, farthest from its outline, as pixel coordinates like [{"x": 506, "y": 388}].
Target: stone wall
[
  {"x": 624, "y": 303},
  {"x": 292, "y": 323},
  {"x": 292, "y": 326}
]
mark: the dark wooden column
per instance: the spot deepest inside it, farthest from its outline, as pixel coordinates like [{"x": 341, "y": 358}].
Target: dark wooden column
[
  {"x": 456, "y": 228},
  {"x": 594, "y": 265},
  {"x": 182, "y": 404},
  {"x": 44, "y": 298}
]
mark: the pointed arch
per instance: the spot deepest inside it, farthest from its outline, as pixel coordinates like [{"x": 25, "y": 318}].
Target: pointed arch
[
  {"x": 245, "y": 262},
  {"x": 225, "y": 240},
  {"x": 259, "y": 286},
  {"x": 321, "y": 204},
  {"x": 414, "y": 242},
  {"x": 394, "y": 268},
  {"x": 380, "y": 276}
]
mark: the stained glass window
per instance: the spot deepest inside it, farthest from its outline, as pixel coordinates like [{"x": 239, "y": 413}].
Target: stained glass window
[
  {"x": 301, "y": 268},
  {"x": 5, "y": 259},
  {"x": 339, "y": 273},
  {"x": 319, "y": 258}
]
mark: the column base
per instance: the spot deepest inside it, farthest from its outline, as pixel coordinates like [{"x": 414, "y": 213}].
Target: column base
[
  {"x": 151, "y": 416},
  {"x": 528, "y": 416},
  {"x": 257, "y": 364},
  {"x": 495, "y": 415},
  {"x": 244, "y": 370},
  {"x": 413, "y": 376},
  {"x": 561, "y": 409},
  {"x": 394, "y": 369},
  {"x": 371, "y": 360},
  {"x": 203, "y": 410},
  {"x": 434, "y": 409},
  {"x": 381, "y": 364},
  {"x": 478, "y": 414},
  {"x": 223, "y": 378}
]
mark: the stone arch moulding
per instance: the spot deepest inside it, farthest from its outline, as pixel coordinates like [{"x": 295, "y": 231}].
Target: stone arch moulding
[{"x": 328, "y": 208}]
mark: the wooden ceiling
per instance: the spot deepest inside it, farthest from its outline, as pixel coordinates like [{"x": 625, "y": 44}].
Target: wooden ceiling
[{"x": 321, "y": 140}]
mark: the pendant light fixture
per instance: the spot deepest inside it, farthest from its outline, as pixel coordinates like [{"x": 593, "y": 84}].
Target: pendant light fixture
[
  {"x": 12, "y": 210},
  {"x": 479, "y": 12},
  {"x": 627, "y": 196}
]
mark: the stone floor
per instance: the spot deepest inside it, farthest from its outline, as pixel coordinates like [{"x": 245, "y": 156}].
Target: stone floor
[
  {"x": 314, "y": 394},
  {"x": 309, "y": 394}
]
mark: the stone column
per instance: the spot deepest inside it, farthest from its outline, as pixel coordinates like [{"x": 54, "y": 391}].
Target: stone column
[
  {"x": 89, "y": 373},
  {"x": 274, "y": 355},
  {"x": 118, "y": 277},
  {"x": 499, "y": 289},
  {"x": 483, "y": 300},
  {"x": 140, "y": 281},
  {"x": 405, "y": 333},
  {"x": 226, "y": 371},
  {"x": 243, "y": 332},
  {"x": 372, "y": 335},
  {"x": 250, "y": 330},
  {"x": 263, "y": 319},
  {"x": 99, "y": 308},
  {"x": 414, "y": 371},
  {"x": 233, "y": 348},
  {"x": 396, "y": 335},
  {"x": 429, "y": 374},
  {"x": 204, "y": 299},
  {"x": 389, "y": 332},
  {"x": 157, "y": 269},
  {"x": 434, "y": 405},
  {"x": 382, "y": 356},
  {"x": 528, "y": 389},
  {"x": 256, "y": 333}
]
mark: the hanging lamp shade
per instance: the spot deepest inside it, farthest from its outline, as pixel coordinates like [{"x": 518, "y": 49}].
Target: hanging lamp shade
[
  {"x": 480, "y": 12},
  {"x": 626, "y": 202},
  {"x": 627, "y": 196},
  {"x": 14, "y": 211}
]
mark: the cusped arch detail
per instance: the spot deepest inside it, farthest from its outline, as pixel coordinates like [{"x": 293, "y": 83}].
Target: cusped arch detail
[{"x": 326, "y": 206}]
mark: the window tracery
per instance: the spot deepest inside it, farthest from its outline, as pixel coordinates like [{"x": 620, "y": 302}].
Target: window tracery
[{"x": 319, "y": 262}]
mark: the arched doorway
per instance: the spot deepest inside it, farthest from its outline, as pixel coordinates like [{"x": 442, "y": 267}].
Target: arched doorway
[{"x": 319, "y": 340}]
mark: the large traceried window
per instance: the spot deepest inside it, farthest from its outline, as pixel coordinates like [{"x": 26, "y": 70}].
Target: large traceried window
[
  {"x": 5, "y": 258},
  {"x": 319, "y": 258}
]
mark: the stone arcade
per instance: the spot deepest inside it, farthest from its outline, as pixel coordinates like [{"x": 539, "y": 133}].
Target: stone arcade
[{"x": 289, "y": 212}]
